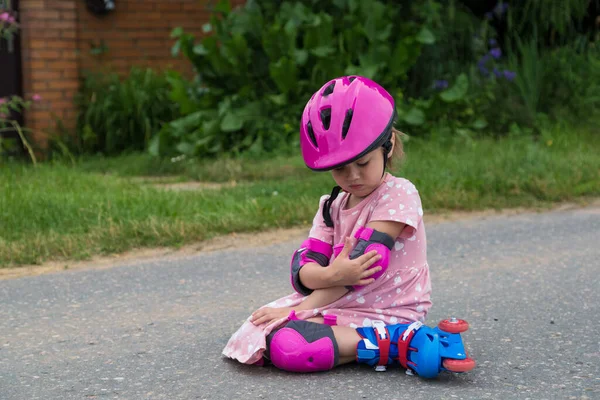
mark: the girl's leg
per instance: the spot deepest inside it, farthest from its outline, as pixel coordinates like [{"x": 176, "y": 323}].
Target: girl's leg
[{"x": 347, "y": 339}]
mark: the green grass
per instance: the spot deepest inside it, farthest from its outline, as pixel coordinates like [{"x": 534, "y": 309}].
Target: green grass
[
  {"x": 56, "y": 211},
  {"x": 512, "y": 172},
  {"x": 220, "y": 170}
]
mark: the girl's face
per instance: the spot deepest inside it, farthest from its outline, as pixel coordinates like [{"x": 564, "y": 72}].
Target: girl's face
[{"x": 361, "y": 177}]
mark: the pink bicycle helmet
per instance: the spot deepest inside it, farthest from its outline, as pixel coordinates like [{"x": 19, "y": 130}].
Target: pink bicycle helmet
[{"x": 344, "y": 120}]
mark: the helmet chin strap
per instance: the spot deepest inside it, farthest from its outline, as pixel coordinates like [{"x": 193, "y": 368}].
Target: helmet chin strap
[{"x": 387, "y": 148}]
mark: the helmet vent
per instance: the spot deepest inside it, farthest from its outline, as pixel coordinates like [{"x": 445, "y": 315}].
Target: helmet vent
[
  {"x": 350, "y": 79},
  {"x": 347, "y": 122},
  {"x": 329, "y": 89},
  {"x": 326, "y": 117},
  {"x": 311, "y": 134}
]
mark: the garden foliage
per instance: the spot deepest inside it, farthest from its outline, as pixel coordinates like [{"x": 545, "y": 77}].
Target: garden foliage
[
  {"x": 122, "y": 115},
  {"x": 454, "y": 72}
]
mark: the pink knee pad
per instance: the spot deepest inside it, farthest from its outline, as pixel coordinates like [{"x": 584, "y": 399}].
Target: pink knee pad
[{"x": 303, "y": 346}]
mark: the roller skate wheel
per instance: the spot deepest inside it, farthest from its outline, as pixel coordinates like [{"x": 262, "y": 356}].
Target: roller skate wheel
[
  {"x": 458, "y": 365},
  {"x": 453, "y": 325}
]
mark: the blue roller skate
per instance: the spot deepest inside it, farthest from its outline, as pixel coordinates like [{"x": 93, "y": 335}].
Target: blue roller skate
[{"x": 416, "y": 347}]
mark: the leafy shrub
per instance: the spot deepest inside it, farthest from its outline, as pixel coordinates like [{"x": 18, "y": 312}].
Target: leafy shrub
[
  {"x": 504, "y": 80},
  {"x": 481, "y": 99},
  {"x": 9, "y": 107},
  {"x": 460, "y": 37},
  {"x": 550, "y": 22},
  {"x": 262, "y": 62},
  {"x": 117, "y": 115},
  {"x": 572, "y": 79}
]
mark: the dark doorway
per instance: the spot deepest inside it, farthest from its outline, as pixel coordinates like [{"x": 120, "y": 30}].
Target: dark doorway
[{"x": 10, "y": 73}]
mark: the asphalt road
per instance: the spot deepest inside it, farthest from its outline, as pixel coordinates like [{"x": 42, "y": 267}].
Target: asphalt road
[{"x": 528, "y": 284}]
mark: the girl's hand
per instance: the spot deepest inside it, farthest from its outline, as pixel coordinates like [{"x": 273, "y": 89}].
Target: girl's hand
[
  {"x": 357, "y": 272},
  {"x": 269, "y": 314}
]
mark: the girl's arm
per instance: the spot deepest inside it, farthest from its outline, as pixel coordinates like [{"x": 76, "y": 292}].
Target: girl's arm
[
  {"x": 321, "y": 297},
  {"x": 342, "y": 271},
  {"x": 317, "y": 299},
  {"x": 314, "y": 276}
]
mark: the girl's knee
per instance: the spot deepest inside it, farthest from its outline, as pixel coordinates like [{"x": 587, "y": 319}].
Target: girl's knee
[{"x": 303, "y": 346}]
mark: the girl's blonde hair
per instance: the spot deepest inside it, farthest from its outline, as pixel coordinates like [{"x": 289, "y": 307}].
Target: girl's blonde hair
[{"x": 398, "y": 152}]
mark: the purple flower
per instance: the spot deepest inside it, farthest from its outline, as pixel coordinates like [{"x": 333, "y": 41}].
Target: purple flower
[
  {"x": 481, "y": 64},
  {"x": 6, "y": 17},
  {"x": 492, "y": 42},
  {"x": 509, "y": 75},
  {"x": 440, "y": 84},
  {"x": 496, "y": 52},
  {"x": 501, "y": 8},
  {"x": 483, "y": 60},
  {"x": 497, "y": 72}
]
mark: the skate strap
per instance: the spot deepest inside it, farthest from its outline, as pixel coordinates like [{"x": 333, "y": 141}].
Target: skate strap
[
  {"x": 330, "y": 320},
  {"x": 404, "y": 342},
  {"x": 383, "y": 342},
  {"x": 292, "y": 316}
]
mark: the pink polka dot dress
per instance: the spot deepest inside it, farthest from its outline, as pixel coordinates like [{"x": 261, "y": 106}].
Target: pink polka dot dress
[{"x": 401, "y": 295}]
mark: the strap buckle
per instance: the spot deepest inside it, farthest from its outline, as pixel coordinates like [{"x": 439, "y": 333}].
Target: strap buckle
[
  {"x": 383, "y": 342},
  {"x": 412, "y": 327},
  {"x": 404, "y": 342},
  {"x": 379, "y": 327}
]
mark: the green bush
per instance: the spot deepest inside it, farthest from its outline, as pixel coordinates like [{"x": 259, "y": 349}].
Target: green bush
[
  {"x": 513, "y": 89},
  {"x": 572, "y": 79},
  {"x": 263, "y": 61},
  {"x": 448, "y": 69},
  {"x": 552, "y": 22},
  {"x": 118, "y": 115},
  {"x": 471, "y": 87}
]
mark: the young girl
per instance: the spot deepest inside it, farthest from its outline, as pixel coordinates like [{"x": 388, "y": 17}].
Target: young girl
[{"x": 363, "y": 269}]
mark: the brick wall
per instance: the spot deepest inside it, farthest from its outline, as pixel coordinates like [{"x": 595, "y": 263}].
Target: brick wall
[
  {"x": 58, "y": 36},
  {"x": 138, "y": 32},
  {"x": 49, "y": 61}
]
